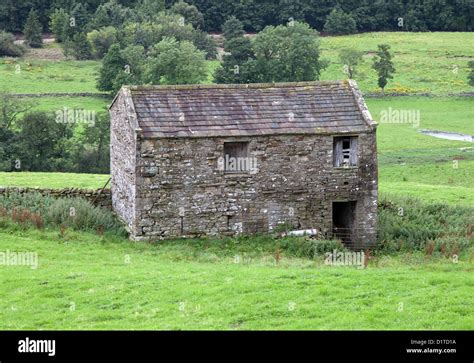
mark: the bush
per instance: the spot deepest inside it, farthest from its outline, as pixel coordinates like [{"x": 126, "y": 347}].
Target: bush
[
  {"x": 8, "y": 47},
  {"x": 470, "y": 76},
  {"x": 35, "y": 202},
  {"x": 79, "y": 214}
]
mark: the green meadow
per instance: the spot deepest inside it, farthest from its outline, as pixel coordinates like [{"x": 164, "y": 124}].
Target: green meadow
[
  {"x": 48, "y": 76},
  {"x": 415, "y": 164},
  {"x": 53, "y": 180},
  {"x": 424, "y": 62},
  {"x": 85, "y": 281}
]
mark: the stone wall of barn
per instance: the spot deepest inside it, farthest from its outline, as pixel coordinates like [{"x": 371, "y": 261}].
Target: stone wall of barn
[
  {"x": 181, "y": 190},
  {"x": 123, "y": 156}
]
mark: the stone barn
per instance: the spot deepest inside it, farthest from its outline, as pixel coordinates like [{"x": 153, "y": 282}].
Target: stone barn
[{"x": 196, "y": 160}]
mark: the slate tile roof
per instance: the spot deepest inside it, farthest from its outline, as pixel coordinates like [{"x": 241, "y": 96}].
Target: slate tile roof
[{"x": 249, "y": 110}]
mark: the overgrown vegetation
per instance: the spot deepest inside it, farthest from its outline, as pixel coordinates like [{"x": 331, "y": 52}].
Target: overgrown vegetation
[
  {"x": 35, "y": 210},
  {"x": 405, "y": 225},
  {"x": 257, "y": 282}
]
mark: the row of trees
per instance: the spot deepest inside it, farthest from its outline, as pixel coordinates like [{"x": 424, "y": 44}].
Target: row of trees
[
  {"x": 368, "y": 15},
  {"x": 286, "y": 54},
  {"x": 42, "y": 141},
  {"x": 149, "y": 22}
]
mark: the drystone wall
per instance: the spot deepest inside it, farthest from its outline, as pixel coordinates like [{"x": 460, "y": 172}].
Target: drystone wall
[{"x": 98, "y": 197}]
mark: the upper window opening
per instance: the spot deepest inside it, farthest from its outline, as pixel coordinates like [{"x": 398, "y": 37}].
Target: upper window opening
[{"x": 345, "y": 151}]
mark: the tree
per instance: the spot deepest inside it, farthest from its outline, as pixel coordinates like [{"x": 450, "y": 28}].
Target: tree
[
  {"x": 145, "y": 10},
  {"x": 80, "y": 47},
  {"x": 111, "y": 14},
  {"x": 470, "y": 76},
  {"x": 41, "y": 142},
  {"x": 278, "y": 54},
  {"x": 232, "y": 28},
  {"x": 383, "y": 65},
  {"x": 59, "y": 22},
  {"x": 33, "y": 30},
  {"x": 173, "y": 62},
  {"x": 288, "y": 54},
  {"x": 204, "y": 42},
  {"x": 92, "y": 153},
  {"x": 350, "y": 58},
  {"x": 112, "y": 65},
  {"x": 190, "y": 13},
  {"x": 235, "y": 67},
  {"x": 339, "y": 22},
  {"x": 10, "y": 108},
  {"x": 150, "y": 33},
  {"x": 79, "y": 19},
  {"x": 134, "y": 57},
  {"x": 413, "y": 21}
]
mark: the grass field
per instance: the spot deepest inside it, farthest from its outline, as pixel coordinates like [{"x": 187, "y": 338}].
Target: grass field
[
  {"x": 424, "y": 62},
  {"x": 37, "y": 75},
  {"x": 84, "y": 281},
  {"x": 53, "y": 180},
  {"x": 412, "y": 163},
  {"x": 98, "y": 104},
  {"x": 47, "y": 76}
]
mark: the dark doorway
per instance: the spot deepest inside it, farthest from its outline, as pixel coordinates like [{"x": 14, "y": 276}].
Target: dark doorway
[{"x": 343, "y": 218}]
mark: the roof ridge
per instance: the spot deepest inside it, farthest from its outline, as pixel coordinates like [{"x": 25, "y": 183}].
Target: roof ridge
[{"x": 236, "y": 86}]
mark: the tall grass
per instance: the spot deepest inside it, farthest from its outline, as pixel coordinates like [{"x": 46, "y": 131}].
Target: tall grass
[
  {"x": 407, "y": 224},
  {"x": 74, "y": 213}
]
